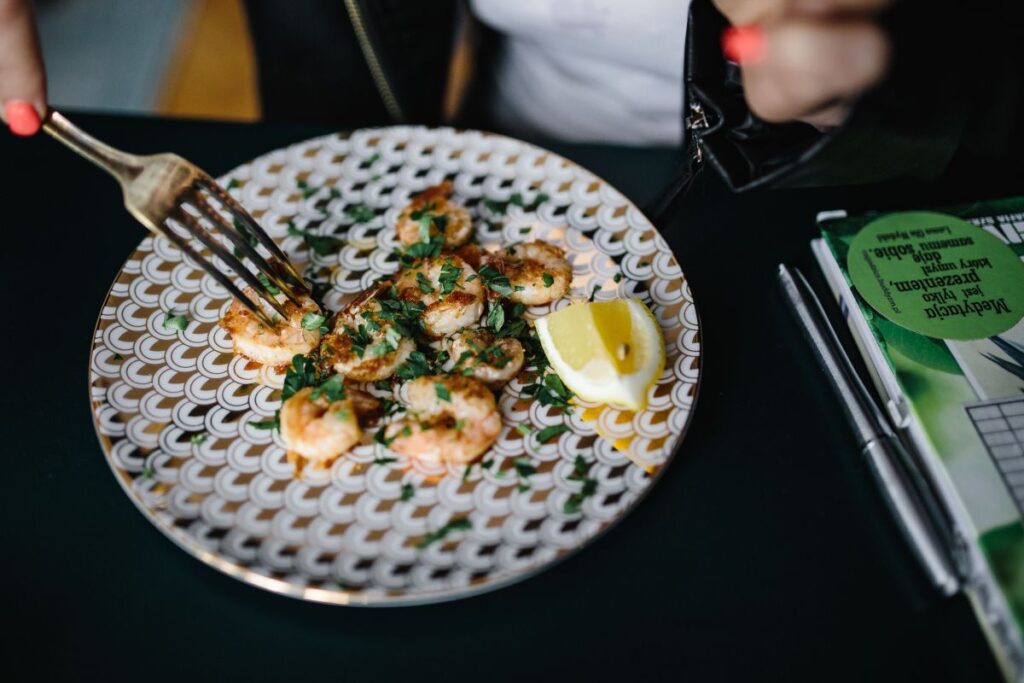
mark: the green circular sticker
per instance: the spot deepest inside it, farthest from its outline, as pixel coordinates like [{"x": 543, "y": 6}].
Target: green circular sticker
[{"x": 937, "y": 275}]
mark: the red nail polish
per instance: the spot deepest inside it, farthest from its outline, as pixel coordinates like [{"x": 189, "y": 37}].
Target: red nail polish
[
  {"x": 743, "y": 44},
  {"x": 22, "y": 118}
]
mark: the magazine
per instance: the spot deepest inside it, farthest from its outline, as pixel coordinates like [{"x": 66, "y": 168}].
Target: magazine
[{"x": 935, "y": 302}]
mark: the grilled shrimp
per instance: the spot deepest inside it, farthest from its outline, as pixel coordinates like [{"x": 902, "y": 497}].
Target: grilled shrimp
[
  {"x": 257, "y": 342},
  {"x": 318, "y": 430},
  {"x": 537, "y": 271},
  {"x": 478, "y": 353},
  {"x": 449, "y": 419},
  {"x": 450, "y": 290},
  {"x": 363, "y": 346},
  {"x": 431, "y": 213}
]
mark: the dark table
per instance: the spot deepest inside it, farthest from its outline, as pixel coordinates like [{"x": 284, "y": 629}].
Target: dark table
[{"x": 765, "y": 549}]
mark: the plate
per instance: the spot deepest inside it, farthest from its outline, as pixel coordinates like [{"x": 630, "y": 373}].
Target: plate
[{"x": 174, "y": 410}]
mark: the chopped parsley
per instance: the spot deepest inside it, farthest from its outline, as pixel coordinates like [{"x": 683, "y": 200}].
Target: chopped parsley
[
  {"x": 618, "y": 277},
  {"x": 233, "y": 183},
  {"x": 118, "y": 356},
  {"x": 424, "y": 283},
  {"x": 575, "y": 501},
  {"x": 461, "y": 524},
  {"x": 267, "y": 284},
  {"x": 384, "y": 461},
  {"x": 495, "y": 280},
  {"x": 449, "y": 277},
  {"x": 313, "y": 322},
  {"x": 544, "y": 435},
  {"x": 247, "y": 235},
  {"x": 442, "y": 392},
  {"x": 407, "y": 492},
  {"x": 197, "y": 439},
  {"x": 148, "y": 472},
  {"x": 269, "y": 423},
  {"x": 175, "y": 322},
  {"x": 496, "y": 317},
  {"x": 301, "y": 374},
  {"x": 415, "y": 366},
  {"x": 359, "y": 213},
  {"x": 333, "y": 388},
  {"x": 548, "y": 280},
  {"x": 322, "y": 245}
]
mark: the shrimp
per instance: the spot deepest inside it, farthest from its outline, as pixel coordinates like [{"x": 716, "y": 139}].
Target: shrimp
[
  {"x": 431, "y": 213},
  {"x": 274, "y": 347},
  {"x": 537, "y": 272},
  {"x": 318, "y": 429},
  {"x": 478, "y": 353},
  {"x": 450, "y": 419},
  {"x": 364, "y": 346},
  {"x": 449, "y": 289}
]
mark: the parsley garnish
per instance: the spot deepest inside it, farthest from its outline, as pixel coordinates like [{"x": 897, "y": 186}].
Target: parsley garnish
[
  {"x": 407, "y": 492},
  {"x": 269, "y": 423},
  {"x": 247, "y": 235},
  {"x": 148, "y": 472},
  {"x": 496, "y": 317},
  {"x": 460, "y": 524},
  {"x": 579, "y": 473},
  {"x": 322, "y": 245},
  {"x": 197, "y": 439},
  {"x": 449, "y": 277},
  {"x": 333, "y": 388},
  {"x": 175, "y": 322},
  {"x": 359, "y": 213},
  {"x": 442, "y": 392},
  {"x": 618, "y": 277},
  {"x": 415, "y": 366},
  {"x": 312, "y": 321},
  {"x": 384, "y": 461},
  {"x": 495, "y": 280},
  {"x": 301, "y": 374},
  {"x": 424, "y": 283},
  {"x": 233, "y": 183},
  {"x": 548, "y": 280},
  {"x": 118, "y": 356},
  {"x": 267, "y": 284},
  {"x": 548, "y": 432}
]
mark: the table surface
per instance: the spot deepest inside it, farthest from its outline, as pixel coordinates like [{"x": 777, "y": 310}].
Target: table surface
[{"x": 768, "y": 550}]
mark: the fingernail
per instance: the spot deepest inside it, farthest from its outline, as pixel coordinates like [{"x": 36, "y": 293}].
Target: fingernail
[
  {"x": 743, "y": 44},
  {"x": 22, "y": 118}
]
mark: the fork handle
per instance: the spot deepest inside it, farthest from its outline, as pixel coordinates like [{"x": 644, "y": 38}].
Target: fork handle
[{"x": 123, "y": 166}]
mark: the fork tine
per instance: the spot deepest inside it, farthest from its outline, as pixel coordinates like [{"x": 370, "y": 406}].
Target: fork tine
[
  {"x": 207, "y": 183},
  {"x": 194, "y": 228},
  {"x": 224, "y": 281},
  {"x": 199, "y": 201}
]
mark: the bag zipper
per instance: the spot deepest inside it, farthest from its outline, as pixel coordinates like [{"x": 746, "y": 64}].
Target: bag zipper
[
  {"x": 380, "y": 80},
  {"x": 661, "y": 209}
]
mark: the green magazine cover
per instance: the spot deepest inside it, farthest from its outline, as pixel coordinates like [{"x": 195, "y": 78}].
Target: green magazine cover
[{"x": 935, "y": 301}]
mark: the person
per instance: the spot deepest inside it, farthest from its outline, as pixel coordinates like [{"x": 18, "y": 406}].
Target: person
[{"x": 775, "y": 93}]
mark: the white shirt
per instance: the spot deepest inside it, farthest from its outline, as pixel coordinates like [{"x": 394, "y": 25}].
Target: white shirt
[{"x": 590, "y": 70}]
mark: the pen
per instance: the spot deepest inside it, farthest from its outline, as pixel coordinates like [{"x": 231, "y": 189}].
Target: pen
[{"x": 878, "y": 443}]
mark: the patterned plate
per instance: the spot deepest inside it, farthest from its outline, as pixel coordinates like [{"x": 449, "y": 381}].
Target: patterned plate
[{"x": 174, "y": 409}]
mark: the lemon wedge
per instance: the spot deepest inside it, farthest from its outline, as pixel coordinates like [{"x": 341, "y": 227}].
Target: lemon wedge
[{"x": 606, "y": 351}]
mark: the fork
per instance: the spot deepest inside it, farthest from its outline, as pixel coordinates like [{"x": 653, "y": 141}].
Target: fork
[{"x": 163, "y": 190}]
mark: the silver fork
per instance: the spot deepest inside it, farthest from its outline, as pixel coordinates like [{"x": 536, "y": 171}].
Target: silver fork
[{"x": 162, "y": 189}]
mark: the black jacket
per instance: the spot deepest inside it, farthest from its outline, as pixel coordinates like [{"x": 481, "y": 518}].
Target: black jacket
[{"x": 954, "y": 87}]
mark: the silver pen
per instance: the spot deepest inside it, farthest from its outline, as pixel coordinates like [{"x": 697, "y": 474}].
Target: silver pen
[{"x": 915, "y": 514}]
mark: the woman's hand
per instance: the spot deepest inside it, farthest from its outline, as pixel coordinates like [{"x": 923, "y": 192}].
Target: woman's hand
[
  {"x": 805, "y": 60},
  {"x": 22, "y": 77}
]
